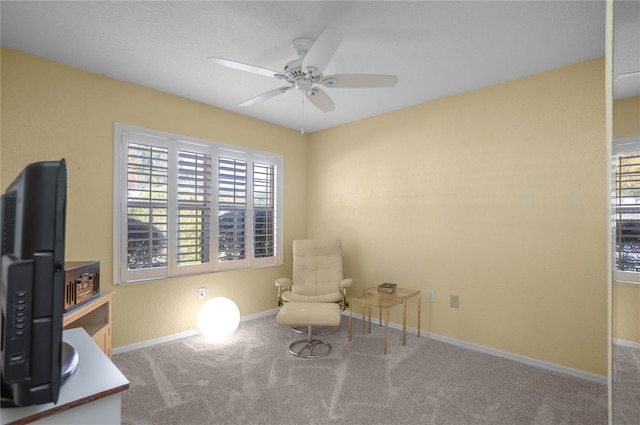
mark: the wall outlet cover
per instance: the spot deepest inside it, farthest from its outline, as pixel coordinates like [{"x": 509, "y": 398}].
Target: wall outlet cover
[{"x": 455, "y": 301}]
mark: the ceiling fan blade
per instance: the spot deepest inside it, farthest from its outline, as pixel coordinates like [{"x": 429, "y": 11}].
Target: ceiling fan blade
[
  {"x": 267, "y": 95},
  {"x": 320, "y": 99},
  {"x": 322, "y": 50},
  {"x": 244, "y": 67},
  {"x": 359, "y": 80}
]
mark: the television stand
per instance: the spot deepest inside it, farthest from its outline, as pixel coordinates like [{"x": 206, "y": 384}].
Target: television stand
[
  {"x": 93, "y": 394},
  {"x": 95, "y": 317}
]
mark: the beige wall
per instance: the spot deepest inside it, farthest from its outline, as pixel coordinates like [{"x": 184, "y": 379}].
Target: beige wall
[
  {"x": 496, "y": 195},
  {"x": 626, "y": 298},
  {"x": 50, "y": 111},
  {"x": 626, "y": 117}
]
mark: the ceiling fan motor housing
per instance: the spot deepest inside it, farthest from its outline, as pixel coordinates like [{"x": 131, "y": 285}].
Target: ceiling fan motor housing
[
  {"x": 293, "y": 70},
  {"x": 305, "y": 72}
]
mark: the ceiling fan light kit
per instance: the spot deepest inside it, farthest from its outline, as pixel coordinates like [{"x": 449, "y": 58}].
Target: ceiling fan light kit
[{"x": 305, "y": 72}]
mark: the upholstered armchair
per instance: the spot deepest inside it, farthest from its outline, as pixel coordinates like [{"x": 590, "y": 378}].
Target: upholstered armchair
[{"x": 317, "y": 274}]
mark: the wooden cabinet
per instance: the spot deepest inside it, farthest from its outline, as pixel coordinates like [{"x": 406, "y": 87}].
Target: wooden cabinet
[{"x": 95, "y": 318}]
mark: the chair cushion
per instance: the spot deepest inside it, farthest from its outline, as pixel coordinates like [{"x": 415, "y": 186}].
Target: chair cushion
[
  {"x": 309, "y": 314},
  {"x": 317, "y": 267},
  {"x": 333, "y": 297}
]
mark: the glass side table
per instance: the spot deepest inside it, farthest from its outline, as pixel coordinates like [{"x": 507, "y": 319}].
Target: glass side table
[{"x": 371, "y": 297}]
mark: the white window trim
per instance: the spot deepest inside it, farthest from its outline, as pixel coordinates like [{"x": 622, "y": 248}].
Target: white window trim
[
  {"x": 121, "y": 275},
  {"x": 622, "y": 146}
]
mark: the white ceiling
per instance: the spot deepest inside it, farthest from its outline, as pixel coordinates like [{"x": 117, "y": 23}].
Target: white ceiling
[
  {"x": 626, "y": 49},
  {"x": 436, "y": 48}
]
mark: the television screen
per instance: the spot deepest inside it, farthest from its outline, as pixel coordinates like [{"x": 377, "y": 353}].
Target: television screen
[{"x": 33, "y": 214}]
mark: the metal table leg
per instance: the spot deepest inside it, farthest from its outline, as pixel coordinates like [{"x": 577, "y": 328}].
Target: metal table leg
[
  {"x": 404, "y": 321},
  {"x": 350, "y": 306},
  {"x": 386, "y": 327}
]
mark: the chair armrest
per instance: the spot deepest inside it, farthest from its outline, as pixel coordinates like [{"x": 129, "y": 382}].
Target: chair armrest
[
  {"x": 343, "y": 286},
  {"x": 284, "y": 282},
  {"x": 346, "y": 283}
]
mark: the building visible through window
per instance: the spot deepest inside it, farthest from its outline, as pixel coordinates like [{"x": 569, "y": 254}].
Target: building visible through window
[
  {"x": 185, "y": 206},
  {"x": 626, "y": 209}
]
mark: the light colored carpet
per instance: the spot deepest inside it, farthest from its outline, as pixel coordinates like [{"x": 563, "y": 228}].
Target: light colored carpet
[
  {"x": 626, "y": 385},
  {"x": 252, "y": 379}
]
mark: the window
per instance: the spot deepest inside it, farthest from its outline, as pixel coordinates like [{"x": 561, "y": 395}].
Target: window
[
  {"x": 187, "y": 206},
  {"x": 626, "y": 210}
]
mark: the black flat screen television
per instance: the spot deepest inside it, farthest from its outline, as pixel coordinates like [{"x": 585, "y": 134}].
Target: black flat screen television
[{"x": 35, "y": 360}]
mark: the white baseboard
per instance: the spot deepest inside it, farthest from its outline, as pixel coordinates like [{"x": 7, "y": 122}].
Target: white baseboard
[
  {"x": 151, "y": 342},
  {"x": 504, "y": 354},
  {"x": 625, "y": 343},
  {"x": 190, "y": 332},
  {"x": 260, "y": 315}
]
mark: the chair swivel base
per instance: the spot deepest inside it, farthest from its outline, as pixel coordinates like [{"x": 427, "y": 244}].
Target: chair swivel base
[{"x": 310, "y": 348}]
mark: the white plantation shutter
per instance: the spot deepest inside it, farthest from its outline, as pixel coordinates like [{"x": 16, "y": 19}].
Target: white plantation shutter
[
  {"x": 232, "y": 209},
  {"x": 147, "y": 206},
  {"x": 264, "y": 187},
  {"x": 168, "y": 190},
  {"x": 194, "y": 208},
  {"x": 626, "y": 208}
]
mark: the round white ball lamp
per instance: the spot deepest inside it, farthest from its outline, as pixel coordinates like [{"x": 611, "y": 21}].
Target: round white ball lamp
[{"x": 218, "y": 318}]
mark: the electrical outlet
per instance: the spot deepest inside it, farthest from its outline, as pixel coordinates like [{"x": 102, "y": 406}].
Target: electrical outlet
[
  {"x": 455, "y": 302},
  {"x": 201, "y": 293},
  {"x": 430, "y": 296}
]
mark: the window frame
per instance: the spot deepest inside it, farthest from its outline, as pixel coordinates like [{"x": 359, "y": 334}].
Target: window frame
[
  {"x": 174, "y": 143},
  {"x": 621, "y": 146}
]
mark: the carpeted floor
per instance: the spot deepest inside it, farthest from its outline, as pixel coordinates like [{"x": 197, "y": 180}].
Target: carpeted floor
[
  {"x": 252, "y": 379},
  {"x": 626, "y": 385}
]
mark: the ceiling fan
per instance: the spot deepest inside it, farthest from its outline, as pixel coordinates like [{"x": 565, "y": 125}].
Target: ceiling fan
[{"x": 305, "y": 73}]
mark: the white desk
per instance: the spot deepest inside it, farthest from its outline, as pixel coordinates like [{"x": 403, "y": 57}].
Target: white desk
[{"x": 91, "y": 395}]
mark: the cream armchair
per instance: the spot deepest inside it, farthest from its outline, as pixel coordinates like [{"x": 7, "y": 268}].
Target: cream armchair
[{"x": 317, "y": 274}]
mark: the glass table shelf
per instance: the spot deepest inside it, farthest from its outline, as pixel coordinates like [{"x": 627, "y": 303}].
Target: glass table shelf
[{"x": 372, "y": 297}]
